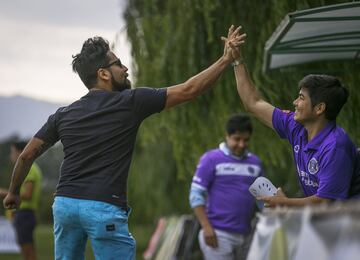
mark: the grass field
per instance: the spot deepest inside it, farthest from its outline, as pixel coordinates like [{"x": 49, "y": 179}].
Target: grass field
[{"x": 45, "y": 243}]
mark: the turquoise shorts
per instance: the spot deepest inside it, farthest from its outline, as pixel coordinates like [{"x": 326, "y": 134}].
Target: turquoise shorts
[{"x": 106, "y": 226}]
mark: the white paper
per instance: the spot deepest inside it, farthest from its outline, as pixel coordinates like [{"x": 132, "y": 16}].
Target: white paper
[{"x": 262, "y": 187}]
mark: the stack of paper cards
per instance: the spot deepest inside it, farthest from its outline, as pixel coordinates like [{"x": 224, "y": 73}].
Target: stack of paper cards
[{"x": 262, "y": 187}]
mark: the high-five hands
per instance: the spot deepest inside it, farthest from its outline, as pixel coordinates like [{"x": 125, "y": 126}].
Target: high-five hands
[{"x": 233, "y": 42}]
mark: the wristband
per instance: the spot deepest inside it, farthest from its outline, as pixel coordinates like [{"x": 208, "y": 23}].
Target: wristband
[{"x": 238, "y": 62}]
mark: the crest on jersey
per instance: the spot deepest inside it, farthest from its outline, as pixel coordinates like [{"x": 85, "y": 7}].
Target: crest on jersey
[
  {"x": 251, "y": 170},
  {"x": 296, "y": 148},
  {"x": 313, "y": 166}
]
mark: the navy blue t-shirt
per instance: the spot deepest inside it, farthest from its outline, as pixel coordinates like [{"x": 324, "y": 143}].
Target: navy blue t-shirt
[{"x": 98, "y": 133}]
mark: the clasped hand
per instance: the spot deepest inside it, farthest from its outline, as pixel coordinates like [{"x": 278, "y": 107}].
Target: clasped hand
[
  {"x": 232, "y": 43},
  {"x": 277, "y": 200}
]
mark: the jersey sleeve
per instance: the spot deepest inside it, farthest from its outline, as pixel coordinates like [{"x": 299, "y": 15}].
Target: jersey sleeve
[
  {"x": 149, "y": 101},
  {"x": 204, "y": 175},
  {"x": 48, "y": 132},
  {"x": 205, "y": 172},
  {"x": 285, "y": 125}
]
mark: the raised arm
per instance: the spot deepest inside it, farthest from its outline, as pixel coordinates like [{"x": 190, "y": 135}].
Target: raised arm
[
  {"x": 249, "y": 95},
  {"x": 199, "y": 83},
  {"x": 33, "y": 149}
]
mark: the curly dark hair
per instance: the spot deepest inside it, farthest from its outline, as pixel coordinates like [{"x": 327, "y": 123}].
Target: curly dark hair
[{"x": 93, "y": 56}]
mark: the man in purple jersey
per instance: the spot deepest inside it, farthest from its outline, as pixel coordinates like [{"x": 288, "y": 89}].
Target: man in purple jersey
[
  {"x": 324, "y": 154},
  {"x": 219, "y": 193}
]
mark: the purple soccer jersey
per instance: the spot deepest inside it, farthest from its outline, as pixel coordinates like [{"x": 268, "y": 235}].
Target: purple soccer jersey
[
  {"x": 227, "y": 178},
  {"x": 325, "y": 164}
]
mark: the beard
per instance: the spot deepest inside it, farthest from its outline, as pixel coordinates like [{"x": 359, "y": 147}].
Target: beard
[{"x": 120, "y": 86}]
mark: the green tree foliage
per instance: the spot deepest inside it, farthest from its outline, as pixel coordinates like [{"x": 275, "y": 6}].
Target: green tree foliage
[{"x": 173, "y": 40}]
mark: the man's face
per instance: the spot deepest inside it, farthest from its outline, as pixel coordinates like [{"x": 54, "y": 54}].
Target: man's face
[
  {"x": 14, "y": 154},
  {"x": 118, "y": 73},
  {"x": 304, "y": 111},
  {"x": 238, "y": 142}
]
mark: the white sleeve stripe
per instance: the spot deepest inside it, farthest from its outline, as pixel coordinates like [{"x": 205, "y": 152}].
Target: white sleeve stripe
[{"x": 198, "y": 186}]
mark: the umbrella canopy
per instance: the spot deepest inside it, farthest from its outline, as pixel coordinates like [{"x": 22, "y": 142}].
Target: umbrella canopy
[{"x": 325, "y": 33}]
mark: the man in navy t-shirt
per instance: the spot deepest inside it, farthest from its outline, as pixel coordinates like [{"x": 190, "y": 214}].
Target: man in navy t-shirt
[
  {"x": 98, "y": 133},
  {"x": 324, "y": 154},
  {"x": 219, "y": 193}
]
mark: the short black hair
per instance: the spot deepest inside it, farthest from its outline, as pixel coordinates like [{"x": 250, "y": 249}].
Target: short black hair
[
  {"x": 327, "y": 89},
  {"x": 19, "y": 145},
  {"x": 239, "y": 123},
  {"x": 92, "y": 57}
]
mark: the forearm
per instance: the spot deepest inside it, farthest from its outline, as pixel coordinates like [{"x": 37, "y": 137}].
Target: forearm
[
  {"x": 251, "y": 98},
  {"x": 33, "y": 150},
  {"x": 25, "y": 197},
  {"x": 20, "y": 171},
  {"x": 246, "y": 89},
  {"x": 199, "y": 83},
  {"x": 202, "y": 217},
  {"x": 300, "y": 202},
  {"x": 196, "y": 85}
]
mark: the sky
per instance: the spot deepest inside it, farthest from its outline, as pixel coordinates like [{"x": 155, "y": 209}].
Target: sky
[{"x": 39, "y": 37}]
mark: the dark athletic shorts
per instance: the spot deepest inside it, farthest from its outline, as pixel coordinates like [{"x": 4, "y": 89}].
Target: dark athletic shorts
[{"x": 24, "y": 223}]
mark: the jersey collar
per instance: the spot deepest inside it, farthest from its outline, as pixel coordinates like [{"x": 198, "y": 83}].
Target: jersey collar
[
  {"x": 315, "y": 143},
  {"x": 225, "y": 149}
]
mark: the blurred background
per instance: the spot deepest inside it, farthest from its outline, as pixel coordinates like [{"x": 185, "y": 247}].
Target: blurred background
[{"x": 163, "y": 43}]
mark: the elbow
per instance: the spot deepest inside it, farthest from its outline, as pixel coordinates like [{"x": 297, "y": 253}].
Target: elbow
[
  {"x": 247, "y": 108},
  {"x": 250, "y": 108},
  {"x": 252, "y": 105}
]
